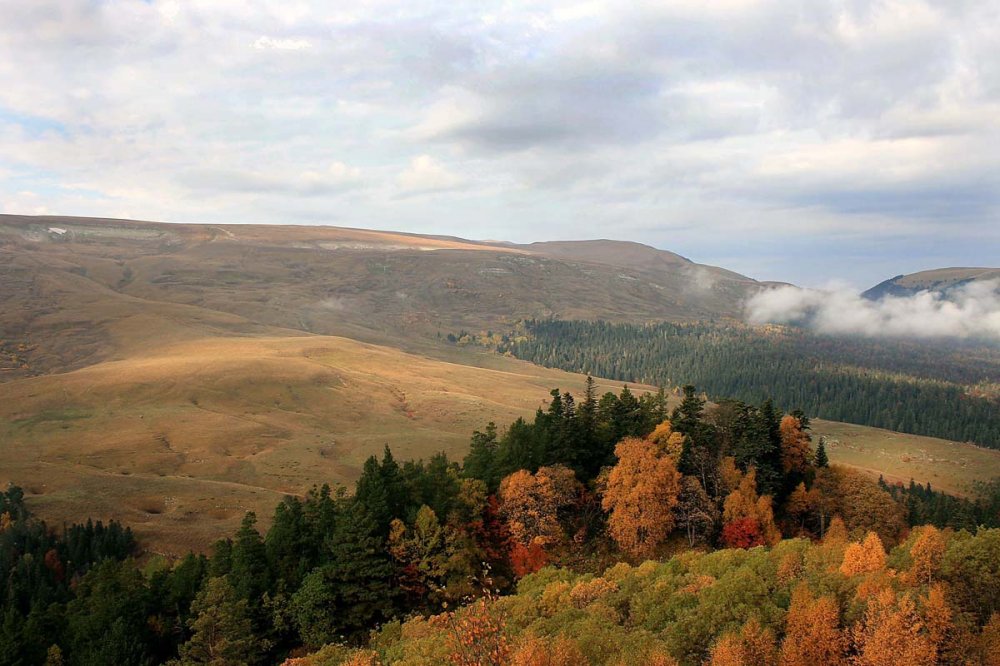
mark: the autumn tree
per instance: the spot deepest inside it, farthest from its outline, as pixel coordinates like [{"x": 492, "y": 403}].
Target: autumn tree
[
  {"x": 865, "y": 557},
  {"x": 754, "y": 645},
  {"x": 800, "y": 504},
  {"x": 642, "y": 489},
  {"x": 989, "y": 641},
  {"x": 865, "y": 506},
  {"x": 531, "y": 503},
  {"x": 560, "y": 651},
  {"x": 892, "y": 632},
  {"x": 744, "y": 504},
  {"x": 938, "y": 618},
  {"x": 795, "y": 449},
  {"x": 668, "y": 440},
  {"x": 927, "y": 552},
  {"x": 695, "y": 512},
  {"x": 812, "y": 632},
  {"x": 478, "y": 635}
]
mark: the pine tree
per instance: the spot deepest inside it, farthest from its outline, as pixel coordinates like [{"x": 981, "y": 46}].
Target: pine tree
[
  {"x": 354, "y": 591},
  {"x": 250, "y": 573},
  {"x": 481, "y": 461},
  {"x": 222, "y": 631}
]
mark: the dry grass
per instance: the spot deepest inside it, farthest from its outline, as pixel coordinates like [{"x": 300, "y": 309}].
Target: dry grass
[
  {"x": 218, "y": 426},
  {"x": 949, "y": 466}
]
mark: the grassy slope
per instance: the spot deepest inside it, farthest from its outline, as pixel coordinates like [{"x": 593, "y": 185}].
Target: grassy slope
[
  {"x": 948, "y": 466},
  {"x": 181, "y": 440}
]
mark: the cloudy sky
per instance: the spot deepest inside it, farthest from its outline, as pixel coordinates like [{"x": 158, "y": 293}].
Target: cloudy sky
[{"x": 802, "y": 141}]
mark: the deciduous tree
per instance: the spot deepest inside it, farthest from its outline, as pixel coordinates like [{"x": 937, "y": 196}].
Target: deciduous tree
[{"x": 642, "y": 489}]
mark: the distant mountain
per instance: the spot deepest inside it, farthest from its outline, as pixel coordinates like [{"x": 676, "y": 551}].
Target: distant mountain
[
  {"x": 939, "y": 279},
  {"x": 378, "y": 286}
]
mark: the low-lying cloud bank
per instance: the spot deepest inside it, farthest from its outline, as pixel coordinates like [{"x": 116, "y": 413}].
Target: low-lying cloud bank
[{"x": 969, "y": 311}]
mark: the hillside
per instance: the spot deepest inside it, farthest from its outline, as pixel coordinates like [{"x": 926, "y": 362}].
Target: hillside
[
  {"x": 183, "y": 438},
  {"x": 174, "y": 376},
  {"x": 940, "y": 279},
  {"x": 365, "y": 284}
]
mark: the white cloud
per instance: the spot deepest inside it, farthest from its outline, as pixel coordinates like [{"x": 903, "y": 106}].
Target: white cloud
[
  {"x": 854, "y": 127},
  {"x": 425, "y": 174},
  {"x": 969, "y": 311},
  {"x": 278, "y": 44}
]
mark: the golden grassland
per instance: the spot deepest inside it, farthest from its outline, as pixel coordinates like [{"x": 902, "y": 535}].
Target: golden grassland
[
  {"x": 953, "y": 467},
  {"x": 179, "y": 441}
]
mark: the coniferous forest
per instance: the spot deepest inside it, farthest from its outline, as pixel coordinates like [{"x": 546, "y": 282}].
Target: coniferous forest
[
  {"x": 605, "y": 530},
  {"x": 903, "y": 386}
]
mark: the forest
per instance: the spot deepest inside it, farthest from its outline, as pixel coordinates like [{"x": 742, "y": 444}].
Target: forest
[
  {"x": 899, "y": 385},
  {"x": 605, "y": 530}
]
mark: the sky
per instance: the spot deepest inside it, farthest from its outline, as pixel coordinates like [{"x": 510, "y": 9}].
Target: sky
[{"x": 805, "y": 141}]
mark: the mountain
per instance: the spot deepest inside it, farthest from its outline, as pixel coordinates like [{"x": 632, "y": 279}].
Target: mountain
[
  {"x": 60, "y": 274},
  {"x": 939, "y": 279}
]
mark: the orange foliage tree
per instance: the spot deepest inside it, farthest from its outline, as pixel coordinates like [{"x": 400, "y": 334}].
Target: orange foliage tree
[
  {"x": 642, "y": 489},
  {"x": 744, "y": 503},
  {"x": 927, "y": 552},
  {"x": 530, "y": 503},
  {"x": 892, "y": 632},
  {"x": 478, "y": 635},
  {"x": 812, "y": 633},
  {"x": 795, "y": 450},
  {"x": 865, "y": 557},
  {"x": 752, "y": 646}
]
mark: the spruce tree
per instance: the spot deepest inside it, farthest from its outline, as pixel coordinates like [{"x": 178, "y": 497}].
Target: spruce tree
[
  {"x": 481, "y": 463},
  {"x": 821, "y": 458},
  {"x": 354, "y": 591},
  {"x": 250, "y": 574}
]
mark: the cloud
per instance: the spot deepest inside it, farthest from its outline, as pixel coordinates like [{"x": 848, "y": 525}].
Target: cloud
[
  {"x": 969, "y": 311},
  {"x": 281, "y": 44},
  {"x": 337, "y": 177},
  {"x": 425, "y": 174},
  {"x": 842, "y": 127}
]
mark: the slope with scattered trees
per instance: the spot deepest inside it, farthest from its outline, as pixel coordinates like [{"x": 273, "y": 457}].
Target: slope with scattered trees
[{"x": 533, "y": 550}]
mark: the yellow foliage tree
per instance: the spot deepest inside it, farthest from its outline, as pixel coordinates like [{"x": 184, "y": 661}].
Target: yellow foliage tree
[
  {"x": 927, "y": 552},
  {"x": 729, "y": 474},
  {"x": 812, "y": 634},
  {"x": 642, "y": 489},
  {"x": 670, "y": 442},
  {"x": 560, "y": 651},
  {"x": 865, "y": 557}
]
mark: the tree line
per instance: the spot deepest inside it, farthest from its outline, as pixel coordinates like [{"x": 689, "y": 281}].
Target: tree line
[
  {"x": 584, "y": 486},
  {"x": 903, "y": 386}
]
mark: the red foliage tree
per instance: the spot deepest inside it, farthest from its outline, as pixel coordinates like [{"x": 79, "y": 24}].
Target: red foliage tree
[
  {"x": 528, "y": 559},
  {"x": 742, "y": 533}
]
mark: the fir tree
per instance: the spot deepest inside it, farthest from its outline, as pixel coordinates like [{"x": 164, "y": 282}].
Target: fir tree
[{"x": 821, "y": 458}]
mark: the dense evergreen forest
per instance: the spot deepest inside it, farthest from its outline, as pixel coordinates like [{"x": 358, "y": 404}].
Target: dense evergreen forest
[
  {"x": 899, "y": 385},
  {"x": 501, "y": 559}
]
